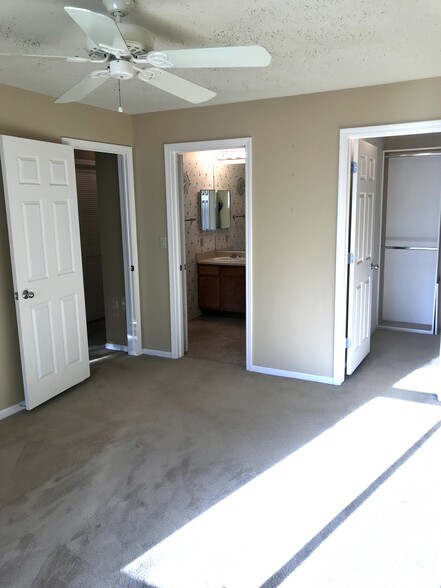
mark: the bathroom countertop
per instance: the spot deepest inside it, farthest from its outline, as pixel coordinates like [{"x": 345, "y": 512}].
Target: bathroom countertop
[
  {"x": 222, "y": 258},
  {"x": 222, "y": 261}
]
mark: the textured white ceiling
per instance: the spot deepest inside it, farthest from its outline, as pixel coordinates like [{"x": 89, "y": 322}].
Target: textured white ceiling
[{"x": 316, "y": 45}]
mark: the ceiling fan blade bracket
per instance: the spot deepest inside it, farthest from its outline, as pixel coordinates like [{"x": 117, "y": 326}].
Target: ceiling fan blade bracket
[
  {"x": 146, "y": 75},
  {"x": 101, "y": 73},
  {"x": 159, "y": 59},
  {"x": 118, "y": 53}
]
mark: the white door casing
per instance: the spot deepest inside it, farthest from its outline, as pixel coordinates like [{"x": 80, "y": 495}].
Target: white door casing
[
  {"x": 128, "y": 229},
  {"x": 43, "y": 226},
  {"x": 361, "y": 254},
  {"x": 175, "y": 242},
  {"x": 183, "y": 248}
]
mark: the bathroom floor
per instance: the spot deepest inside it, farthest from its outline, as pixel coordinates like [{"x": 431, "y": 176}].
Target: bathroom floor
[{"x": 217, "y": 338}]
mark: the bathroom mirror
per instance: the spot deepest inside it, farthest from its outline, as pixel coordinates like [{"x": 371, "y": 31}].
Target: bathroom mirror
[
  {"x": 224, "y": 209},
  {"x": 215, "y": 209},
  {"x": 208, "y": 207}
]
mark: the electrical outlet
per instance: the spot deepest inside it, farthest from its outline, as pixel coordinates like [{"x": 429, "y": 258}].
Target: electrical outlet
[{"x": 163, "y": 242}]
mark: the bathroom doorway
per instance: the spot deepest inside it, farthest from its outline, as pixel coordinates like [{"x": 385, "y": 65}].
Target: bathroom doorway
[
  {"x": 185, "y": 236},
  {"x": 215, "y": 256}
]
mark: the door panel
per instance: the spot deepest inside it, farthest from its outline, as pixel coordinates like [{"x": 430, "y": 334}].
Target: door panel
[
  {"x": 43, "y": 227},
  {"x": 63, "y": 237},
  {"x": 361, "y": 247}
]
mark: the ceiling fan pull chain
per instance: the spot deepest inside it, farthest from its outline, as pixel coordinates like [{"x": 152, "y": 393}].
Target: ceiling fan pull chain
[{"x": 120, "y": 108}]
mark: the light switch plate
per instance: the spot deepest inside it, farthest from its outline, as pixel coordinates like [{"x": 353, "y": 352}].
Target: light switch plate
[{"x": 163, "y": 242}]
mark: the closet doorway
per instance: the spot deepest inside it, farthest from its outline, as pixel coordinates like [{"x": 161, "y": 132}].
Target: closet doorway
[
  {"x": 116, "y": 244},
  {"x": 101, "y": 252},
  {"x": 409, "y": 295},
  {"x": 395, "y": 136}
]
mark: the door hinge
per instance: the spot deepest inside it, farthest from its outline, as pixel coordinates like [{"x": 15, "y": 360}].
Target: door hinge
[
  {"x": 132, "y": 268},
  {"x": 16, "y": 295},
  {"x": 351, "y": 257},
  {"x": 348, "y": 343},
  {"x": 354, "y": 167},
  {"x": 183, "y": 267}
]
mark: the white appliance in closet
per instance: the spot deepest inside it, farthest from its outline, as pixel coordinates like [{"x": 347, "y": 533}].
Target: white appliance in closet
[{"x": 411, "y": 242}]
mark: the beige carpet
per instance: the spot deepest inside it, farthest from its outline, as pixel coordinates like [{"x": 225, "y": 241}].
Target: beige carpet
[{"x": 197, "y": 474}]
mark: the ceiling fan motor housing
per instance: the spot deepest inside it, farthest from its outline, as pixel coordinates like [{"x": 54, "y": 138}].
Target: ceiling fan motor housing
[
  {"x": 121, "y": 70},
  {"x": 118, "y": 7}
]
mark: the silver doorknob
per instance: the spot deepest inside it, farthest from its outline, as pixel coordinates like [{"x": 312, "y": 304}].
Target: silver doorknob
[
  {"x": 375, "y": 266},
  {"x": 26, "y": 294}
]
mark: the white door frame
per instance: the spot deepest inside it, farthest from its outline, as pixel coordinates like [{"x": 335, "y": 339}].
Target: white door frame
[
  {"x": 343, "y": 207},
  {"x": 128, "y": 227},
  {"x": 175, "y": 253}
]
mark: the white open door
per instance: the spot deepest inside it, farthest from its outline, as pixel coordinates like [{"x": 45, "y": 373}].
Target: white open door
[
  {"x": 41, "y": 206},
  {"x": 360, "y": 254}
]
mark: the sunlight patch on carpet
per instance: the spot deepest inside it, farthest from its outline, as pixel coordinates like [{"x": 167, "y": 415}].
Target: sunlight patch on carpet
[
  {"x": 424, "y": 379},
  {"x": 247, "y": 537},
  {"x": 391, "y": 540}
]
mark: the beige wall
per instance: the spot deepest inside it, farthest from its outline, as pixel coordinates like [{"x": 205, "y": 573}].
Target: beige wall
[
  {"x": 295, "y": 166},
  {"x": 30, "y": 115},
  {"x": 295, "y": 162}
]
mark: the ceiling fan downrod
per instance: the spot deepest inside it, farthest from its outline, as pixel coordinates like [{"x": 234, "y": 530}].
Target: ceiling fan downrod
[{"x": 118, "y": 8}]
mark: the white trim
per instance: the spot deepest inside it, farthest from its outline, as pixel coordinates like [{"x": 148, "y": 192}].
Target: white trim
[
  {"x": 287, "y": 374},
  {"x": 176, "y": 255},
  {"x": 114, "y": 347},
  {"x": 7, "y": 412},
  {"x": 129, "y": 240},
  {"x": 341, "y": 265},
  {"x": 157, "y": 353}
]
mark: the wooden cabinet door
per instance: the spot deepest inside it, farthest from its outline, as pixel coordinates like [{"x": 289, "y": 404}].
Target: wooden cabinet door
[
  {"x": 209, "y": 287},
  {"x": 232, "y": 289}
]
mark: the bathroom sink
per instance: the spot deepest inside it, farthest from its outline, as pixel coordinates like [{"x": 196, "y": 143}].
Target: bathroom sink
[
  {"x": 224, "y": 260},
  {"x": 229, "y": 258}
]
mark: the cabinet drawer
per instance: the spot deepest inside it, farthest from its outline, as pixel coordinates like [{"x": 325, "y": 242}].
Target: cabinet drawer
[
  {"x": 208, "y": 270},
  {"x": 233, "y": 272}
]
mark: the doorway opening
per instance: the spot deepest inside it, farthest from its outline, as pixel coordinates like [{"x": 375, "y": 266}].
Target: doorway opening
[
  {"x": 109, "y": 250},
  {"x": 101, "y": 252},
  {"x": 400, "y": 133},
  {"x": 411, "y": 236},
  {"x": 208, "y": 186},
  {"x": 213, "y": 205}
]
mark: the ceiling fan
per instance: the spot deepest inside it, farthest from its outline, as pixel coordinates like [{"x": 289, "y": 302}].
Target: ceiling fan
[{"x": 127, "y": 50}]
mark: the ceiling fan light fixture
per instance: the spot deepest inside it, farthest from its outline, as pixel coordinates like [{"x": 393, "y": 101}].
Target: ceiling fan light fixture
[{"x": 121, "y": 70}]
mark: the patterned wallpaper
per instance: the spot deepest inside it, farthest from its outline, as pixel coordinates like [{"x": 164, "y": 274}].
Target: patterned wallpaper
[{"x": 200, "y": 173}]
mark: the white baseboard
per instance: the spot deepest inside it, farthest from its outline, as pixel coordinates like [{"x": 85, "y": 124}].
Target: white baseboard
[
  {"x": 294, "y": 375},
  {"x": 114, "y": 347},
  {"x": 157, "y": 353},
  {"x": 7, "y": 412}
]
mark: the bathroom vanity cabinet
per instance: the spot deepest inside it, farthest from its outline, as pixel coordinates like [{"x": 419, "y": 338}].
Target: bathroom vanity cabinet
[{"x": 221, "y": 287}]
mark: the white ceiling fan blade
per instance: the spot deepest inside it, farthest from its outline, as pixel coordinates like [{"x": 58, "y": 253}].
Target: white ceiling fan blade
[
  {"x": 174, "y": 85},
  {"x": 83, "y": 88},
  {"x": 251, "y": 56},
  {"x": 73, "y": 59},
  {"x": 102, "y": 29}
]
